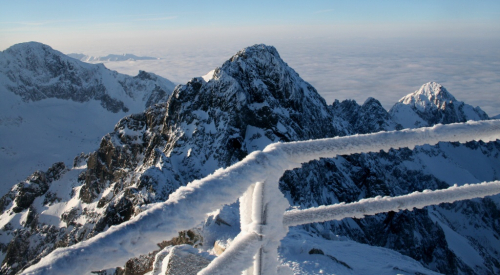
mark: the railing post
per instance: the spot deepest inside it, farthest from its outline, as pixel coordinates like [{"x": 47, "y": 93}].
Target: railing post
[
  {"x": 262, "y": 208},
  {"x": 246, "y": 218}
]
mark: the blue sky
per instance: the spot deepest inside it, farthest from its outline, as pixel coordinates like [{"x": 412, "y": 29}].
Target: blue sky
[
  {"x": 21, "y": 20},
  {"x": 346, "y": 49}
]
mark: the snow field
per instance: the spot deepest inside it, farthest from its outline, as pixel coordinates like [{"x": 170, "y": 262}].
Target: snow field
[{"x": 342, "y": 257}]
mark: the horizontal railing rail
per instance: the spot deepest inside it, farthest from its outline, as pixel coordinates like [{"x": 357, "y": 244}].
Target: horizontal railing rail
[{"x": 372, "y": 206}]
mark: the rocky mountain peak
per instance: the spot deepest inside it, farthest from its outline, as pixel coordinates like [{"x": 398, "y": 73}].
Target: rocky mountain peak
[
  {"x": 257, "y": 82},
  {"x": 35, "y": 71},
  {"x": 430, "y": 96},
  {"x": 433, "y": 104},
  {"x": 255, "y": 51},
  {"x": 266, "y": 77},
  {"x": 31, "y": 48},
  {"x": 38, "y": 58},
  {"x": 371, "y": 101},
  {"x": 252, "y": 100}
]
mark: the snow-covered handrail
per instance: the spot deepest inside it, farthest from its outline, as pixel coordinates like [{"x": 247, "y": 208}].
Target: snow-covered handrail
[
  {"x": 184, "y": 209},
  {"x": 187, "y": 206},
  {"x": 372, "y": 206},
  {"x": 304, "y": 151}
]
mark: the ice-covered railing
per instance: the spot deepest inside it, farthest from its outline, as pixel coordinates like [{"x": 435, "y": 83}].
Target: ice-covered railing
[{"x": 264, "y": 221}]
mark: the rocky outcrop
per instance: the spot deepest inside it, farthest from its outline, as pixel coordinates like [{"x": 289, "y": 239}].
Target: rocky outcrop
[
  {"x": 370, "y": 117},
  {"x": 20, "y": 249},
  {"x": 24, "y": 193}
]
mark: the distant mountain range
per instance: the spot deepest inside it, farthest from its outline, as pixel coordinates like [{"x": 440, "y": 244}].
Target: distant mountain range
[
  {"x": 252, "y": 100},
  {"x": 110, "y": 57}
]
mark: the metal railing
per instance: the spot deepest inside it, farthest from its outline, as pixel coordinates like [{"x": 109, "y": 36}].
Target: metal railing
[{"x": 264, "y": 221}]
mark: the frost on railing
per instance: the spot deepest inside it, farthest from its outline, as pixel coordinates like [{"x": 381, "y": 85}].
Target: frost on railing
[
  {"x": 372, "y": 206},
  {"x": 255, "y": 180}
]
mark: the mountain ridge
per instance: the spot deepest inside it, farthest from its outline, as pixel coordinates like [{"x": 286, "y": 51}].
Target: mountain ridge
[
  {"x": 110, "y": 57},
  {"x": 35, "y": 71},
  {"x": 252, "y": 100}
]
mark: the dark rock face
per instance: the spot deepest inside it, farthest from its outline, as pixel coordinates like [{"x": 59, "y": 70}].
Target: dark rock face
[
  {"x": 255, "y": 99},
  {"x": 19, "y": 251},
  {"x": 116, "y": 213},
  {"x": 370, "y": 117},
  {"x": 24, "y": 193}
]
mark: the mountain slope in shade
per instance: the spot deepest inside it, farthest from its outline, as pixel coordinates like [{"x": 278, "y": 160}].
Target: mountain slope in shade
[
  {"x": 252, "y": 100},
  {"x": 370, "y": 117},
  {"x": 433, "y": 104},
  {"x": 54, "y": 107}
]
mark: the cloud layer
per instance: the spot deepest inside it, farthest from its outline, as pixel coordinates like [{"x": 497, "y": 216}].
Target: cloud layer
[{"x": 356, "y": 69}]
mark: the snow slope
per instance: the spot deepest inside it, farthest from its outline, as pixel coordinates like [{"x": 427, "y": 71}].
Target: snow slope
[
  {"x": 302, "y": 253},
  {"x": 54, "y": 107}
]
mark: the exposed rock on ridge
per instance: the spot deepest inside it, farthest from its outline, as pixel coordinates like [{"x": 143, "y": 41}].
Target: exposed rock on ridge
[{"x": 370, "y": 117}]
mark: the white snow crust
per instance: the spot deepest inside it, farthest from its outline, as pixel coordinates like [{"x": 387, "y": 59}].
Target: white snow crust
[
  {"x": 208, "y": 76},
  {"x": 341, "y": 257}
]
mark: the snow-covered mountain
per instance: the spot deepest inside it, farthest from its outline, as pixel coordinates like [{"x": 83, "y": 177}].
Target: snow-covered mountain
[
  {"x": 54, "y": 107},
  {"x": 110, "y": 57},
  {"x": 433, "y": 104},
  {"x": 252, "y": 100}
]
